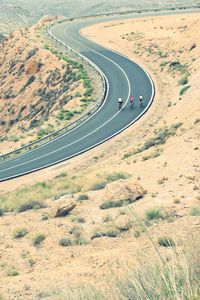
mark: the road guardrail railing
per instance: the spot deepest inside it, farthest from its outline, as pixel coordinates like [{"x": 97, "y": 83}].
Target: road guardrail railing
[{"x": 58, "y": 133}]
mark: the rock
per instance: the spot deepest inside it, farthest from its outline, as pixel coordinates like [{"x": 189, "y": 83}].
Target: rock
[
  {"x": 32, "y": 67},
  {"x": 63, "y": 210},
  {"x": 122, "y": 189}
]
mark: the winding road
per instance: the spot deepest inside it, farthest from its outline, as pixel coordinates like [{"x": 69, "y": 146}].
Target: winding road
[{"x": 124, "y": 78}]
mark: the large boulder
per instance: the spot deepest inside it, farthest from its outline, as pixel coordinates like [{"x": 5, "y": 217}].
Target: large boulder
[{"x": 122, "y": 189}]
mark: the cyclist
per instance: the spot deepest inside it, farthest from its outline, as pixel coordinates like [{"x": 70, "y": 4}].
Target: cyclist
[
  {"x": 141, "y": 100},
  {"x": 120, "y": 102},
  {"x": 131, "y": 101}
]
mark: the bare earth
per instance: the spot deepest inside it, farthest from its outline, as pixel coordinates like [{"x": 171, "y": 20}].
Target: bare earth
[{"x": 169, "y": 48}]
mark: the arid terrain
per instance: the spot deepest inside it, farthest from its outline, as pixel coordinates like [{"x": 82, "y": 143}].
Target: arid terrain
[
  {"x": 132, "y": 199},
  {"x": 15, "y": 14},
  {"x": 34, "y": 76}
]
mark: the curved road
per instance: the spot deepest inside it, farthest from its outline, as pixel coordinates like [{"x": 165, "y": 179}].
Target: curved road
[{"x": 124, "y": 78}]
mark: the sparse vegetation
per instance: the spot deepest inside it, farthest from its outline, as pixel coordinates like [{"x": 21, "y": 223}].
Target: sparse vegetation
[
  {"x": 109, "y": 232},
  {"x": 183, "y": 80},
  {"x": 154, "y": 213},
  {"x": 151, "y": 155},
  {"x": 98, "y": 186},
  {"x": 166, "y": 242},
  {"x": 13, "y": 273},
  {"x": 107, "y": 218},
  {"x": 65, "y": 242},
  {"x": 115, "y": 203},
  {"x": 116, "y": 176},
  {"x": 184, "y": 90},
  {"x": 19, "y": 233},
  {"x": 38, "y": 239},
  {"x": 80, "y": 219},
  {"x": 30, "y": 205},
  {"x": 195, "y": 211},
  {"x": 83, "y": 197}
]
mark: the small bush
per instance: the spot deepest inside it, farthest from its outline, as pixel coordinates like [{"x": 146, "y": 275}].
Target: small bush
[
  {"x": 195, "y": 211},
  {"x": 115, "y": 203},
  {"x": 98, "y": 186},
  {"x": 184, "y": 90},
  {"x": 116, "y": 176},
  {"x": 83, "y": 197},
  {"x": 166, "y": 242},
  {"x": 152, "y": 155},
  {"x": 1, "y": 212},
  {"x": 13, "y": 273},
  {"x": 19, "y": 233},
  {"x": 30, "y": 205},
  {"x": 107, "y": 218},
  {"x": 110, "y": 232},
  {"x": 79, "y": 239},
  {"x": 183, "y": 80},
  {"x": 61, "y": 175},
  {"x": 45, "y": 217},
  {"x": 80, "y": 220},
  {"x": 38, "y": 240},
  {"x": 65, "y": 242},
  {"x": 154, "y": 213}
]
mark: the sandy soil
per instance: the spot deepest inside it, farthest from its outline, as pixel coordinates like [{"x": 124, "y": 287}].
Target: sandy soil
[{"x": 171, "y": 179}]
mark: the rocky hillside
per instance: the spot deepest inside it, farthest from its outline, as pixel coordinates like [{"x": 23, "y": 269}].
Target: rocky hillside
[{"x": 40, "y": 89}]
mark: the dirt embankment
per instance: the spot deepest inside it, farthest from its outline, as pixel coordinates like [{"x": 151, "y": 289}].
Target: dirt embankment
[
  {"x": 41, "y": 90},
  {"x": 158, "y": 157}
]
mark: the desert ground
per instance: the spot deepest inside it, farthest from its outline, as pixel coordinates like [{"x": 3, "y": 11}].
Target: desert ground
[{"x": 155, "y": 163}]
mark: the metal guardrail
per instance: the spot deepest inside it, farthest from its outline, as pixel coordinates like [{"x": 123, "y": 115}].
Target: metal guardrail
[{"x": 69, "y": 127}]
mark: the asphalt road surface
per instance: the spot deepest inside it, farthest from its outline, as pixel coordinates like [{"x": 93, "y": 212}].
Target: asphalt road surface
[{"x": 124, "y": 78}]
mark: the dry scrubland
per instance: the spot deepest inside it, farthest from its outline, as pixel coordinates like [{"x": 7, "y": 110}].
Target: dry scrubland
[
  {"x": 135, "y": 201},
  {"x": 41, "y": 88}
]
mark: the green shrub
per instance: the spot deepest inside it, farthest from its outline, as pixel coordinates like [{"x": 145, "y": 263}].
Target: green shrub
[
  {"x": 152, "y": 155},
  {"x": 166, "y": 242},
  {"x": 116, "y": 176},
  {"x": 83, "y": 197},
  {"x": 79, "y": 239},
  {"x": 1, "y": 212},
  {"x": 195, "y": 211},
  {"x": 177, "y": 66},
  {"x": 183, "y": 90},
  {"x": 161, "y": 136},
  {"x": 80, "y": 220},
  {"x": 61, "y": 175},
  {"x": 65, "y": 242},
  {"x": 19, "y": 233},
  {"x": 110, "y": 232},
  {"x": 30, "y": 205},
  {"x": 154, "y": 213},
  {"x": 45, "y": 217},
  {"x": 183, "y": 80},
  {"x": 115, "y": 203},
  {"x": 38, "y": 239},
  {"x": 13, "y": 273},
  {"x": 98, "y": 186}
]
